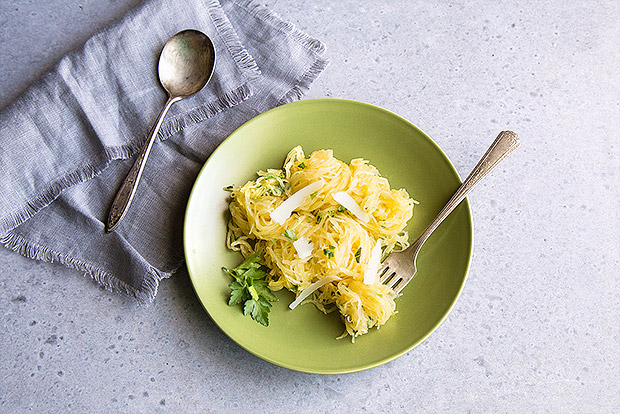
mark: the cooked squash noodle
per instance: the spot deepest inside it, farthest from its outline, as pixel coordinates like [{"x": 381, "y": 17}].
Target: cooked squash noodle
[{"x": 342, "y": 243}]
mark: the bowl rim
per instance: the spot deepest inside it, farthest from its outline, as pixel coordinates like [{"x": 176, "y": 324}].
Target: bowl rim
[{"x": 360, "y": 367}]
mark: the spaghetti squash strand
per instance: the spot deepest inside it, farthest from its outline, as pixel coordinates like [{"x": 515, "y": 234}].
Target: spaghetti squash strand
[{"x": 341, "y": 242}]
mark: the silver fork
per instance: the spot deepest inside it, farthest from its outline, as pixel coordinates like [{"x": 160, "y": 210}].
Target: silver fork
[{"x": 400, "y": 267}]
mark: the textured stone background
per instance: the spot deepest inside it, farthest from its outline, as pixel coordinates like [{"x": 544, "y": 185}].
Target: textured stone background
[{"x": 536, "y": 328}]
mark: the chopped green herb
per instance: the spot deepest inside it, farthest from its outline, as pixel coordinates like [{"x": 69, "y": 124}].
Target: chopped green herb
[
  {"x": 341, "y": 209},
  {"x": 251, "y": 289},
  {"x": 228, "y": 188},
  {"x": 290, "y": 234},
  {"x": 273, "y": 176},
  {"x": 313, "y": 195},
  {"x": 328, "y": 253},
  {"x": 319, "y": 217},
  {"x": 280, "y": 185},
  {"x": 302, "y": 165},
  {"x": 331, "y": 247},
  {"x": 280, "y": 191},
  {"x": 358, "y": 254}
]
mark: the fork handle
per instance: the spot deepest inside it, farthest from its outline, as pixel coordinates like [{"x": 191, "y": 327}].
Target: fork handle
[{"x": 505, "y": 143}]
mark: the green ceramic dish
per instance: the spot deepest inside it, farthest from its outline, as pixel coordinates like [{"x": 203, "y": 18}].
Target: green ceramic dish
[{"x": 304, "y": 339}]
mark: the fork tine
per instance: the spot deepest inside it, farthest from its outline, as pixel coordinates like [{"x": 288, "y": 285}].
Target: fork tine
[
  {"x": 381, "y": 273},
  {"x": 394, "y": 282},
  {"x": 385, "y": 274},
  {"x": 389, "y": 275},
  {"x": 397, "y": 284}
]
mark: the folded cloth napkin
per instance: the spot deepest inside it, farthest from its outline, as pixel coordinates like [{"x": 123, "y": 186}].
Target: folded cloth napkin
[{"x": 68, "y": 142}]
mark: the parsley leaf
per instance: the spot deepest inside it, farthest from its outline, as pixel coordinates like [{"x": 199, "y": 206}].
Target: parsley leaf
[
  {"x": 250, "y": 262},
  {"x": 328, "y": 253},
  {"x": 290, "y": 234},
  {"x": 263, "y": 290},
  {"x": 258, "y": 309},
  {"x": 358, "y": 254},
  {"x": 254, "y": 273},
  {"x": 237, "y": 294},
  {"x": 302, "y": 165},
  {"x": 250, "y": 289}
]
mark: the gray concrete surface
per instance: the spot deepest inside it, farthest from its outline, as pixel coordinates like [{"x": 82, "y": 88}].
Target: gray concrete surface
[{"x": 536, "y": 328}]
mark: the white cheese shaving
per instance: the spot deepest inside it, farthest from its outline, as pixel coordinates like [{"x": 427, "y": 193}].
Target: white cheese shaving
[
  {"x": 308, "y": 291},
  {"x": 284, "y": 210},
  {"x": 370, "y": 275},
  {"x": 304, "y": 247},
  {"x": 350, "y": 204}
]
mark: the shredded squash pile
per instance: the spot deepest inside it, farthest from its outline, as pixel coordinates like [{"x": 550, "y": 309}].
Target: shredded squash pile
[{"x": 322, "y": 241}]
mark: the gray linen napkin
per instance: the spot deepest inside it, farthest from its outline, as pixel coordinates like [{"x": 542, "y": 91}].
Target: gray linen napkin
[{"x": 68, "y": 142}]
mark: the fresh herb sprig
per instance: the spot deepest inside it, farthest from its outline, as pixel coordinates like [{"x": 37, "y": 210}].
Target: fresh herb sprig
[{"x": 251, "y": 289}]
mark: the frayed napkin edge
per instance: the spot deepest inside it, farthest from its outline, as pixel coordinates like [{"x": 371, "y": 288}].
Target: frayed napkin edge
[
  {"x": 143, "y": 295},
  {"x": 264, "y": 13},
  {"x": 298, "y": 91}
]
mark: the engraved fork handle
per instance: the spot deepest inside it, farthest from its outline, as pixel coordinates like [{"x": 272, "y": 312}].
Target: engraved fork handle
[{"x": 505, "y": 143}]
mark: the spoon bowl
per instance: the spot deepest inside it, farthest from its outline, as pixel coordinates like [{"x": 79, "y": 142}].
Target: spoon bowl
[
  {"x": 186, "y": 63},
  {"x": 185, "y": 66}
]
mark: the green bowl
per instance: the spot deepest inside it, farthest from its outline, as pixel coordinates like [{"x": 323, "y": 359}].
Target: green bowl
[{"x": 304, "y": 339}]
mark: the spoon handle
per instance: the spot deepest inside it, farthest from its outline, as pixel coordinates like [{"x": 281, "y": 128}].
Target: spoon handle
[{"x": 125, "y": 193}]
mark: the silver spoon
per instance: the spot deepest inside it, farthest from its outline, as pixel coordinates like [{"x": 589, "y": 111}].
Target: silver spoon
[{"x": 185, "y": 66}]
